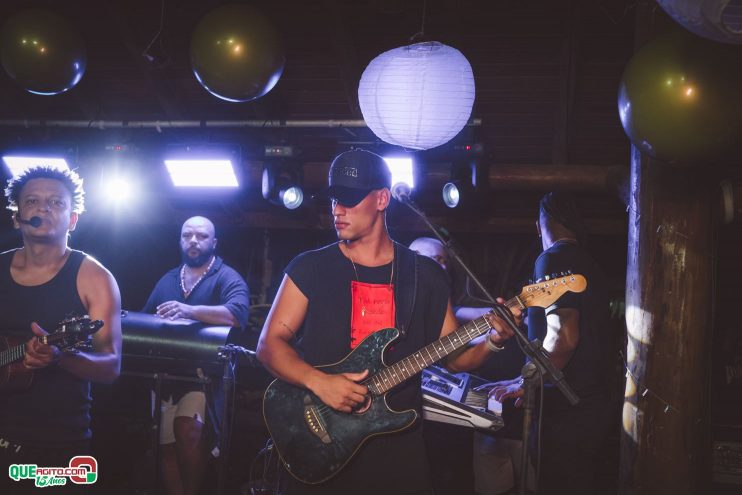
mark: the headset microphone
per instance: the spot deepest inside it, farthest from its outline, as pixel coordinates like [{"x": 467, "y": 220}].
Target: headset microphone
[{"x": 33, "y": 221}]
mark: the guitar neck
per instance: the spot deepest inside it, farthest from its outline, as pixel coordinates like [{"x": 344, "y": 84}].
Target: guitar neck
[
  {"x": 18, "y": 352},
  {"x": 413, "y": 364},
  {"x": 12, "y": 355}
]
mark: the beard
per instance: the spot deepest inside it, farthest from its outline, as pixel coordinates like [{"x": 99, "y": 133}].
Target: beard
[{"x": 200, "y": 260}]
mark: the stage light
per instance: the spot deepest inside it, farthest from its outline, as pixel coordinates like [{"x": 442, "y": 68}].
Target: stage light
[
  {"x": 401, "y": 168},
  {"x": 292, "y": 197},
  {"x": 17, "y": 164},
  {"x": 280, "y": 186},
  {"x": 118, "y": 189},
  {"x": 451, "y": 195},
  {"x": 461, "y": 186},
  {"x": 202, "y": 173}
]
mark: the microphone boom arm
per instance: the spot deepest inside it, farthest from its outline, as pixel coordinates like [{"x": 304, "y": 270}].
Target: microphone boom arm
[{"x": 533, "y": 350}]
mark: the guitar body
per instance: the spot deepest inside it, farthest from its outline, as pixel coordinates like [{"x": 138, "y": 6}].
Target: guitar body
[
  {"x": 14, "y": 376},
  {"x": 316, "y": 441}
]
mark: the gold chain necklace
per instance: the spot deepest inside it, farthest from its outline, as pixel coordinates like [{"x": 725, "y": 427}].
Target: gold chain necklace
[
  {"x": 352, "y": 262},
  {"x": 186, "y": 292}
]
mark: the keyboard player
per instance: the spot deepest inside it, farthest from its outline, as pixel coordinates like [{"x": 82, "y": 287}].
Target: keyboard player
[{"x": 449, "y": 446}]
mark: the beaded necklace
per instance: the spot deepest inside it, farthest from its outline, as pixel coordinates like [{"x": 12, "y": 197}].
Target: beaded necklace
[{"x": 187, "y": 292}]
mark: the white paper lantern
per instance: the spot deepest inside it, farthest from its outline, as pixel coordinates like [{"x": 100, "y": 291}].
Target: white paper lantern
[
  {"x": 713, "y": 19},
  {"x": 418, "y": 96}
]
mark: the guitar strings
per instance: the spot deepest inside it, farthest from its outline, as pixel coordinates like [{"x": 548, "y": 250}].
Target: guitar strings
[{"x": 322, "y": 408}]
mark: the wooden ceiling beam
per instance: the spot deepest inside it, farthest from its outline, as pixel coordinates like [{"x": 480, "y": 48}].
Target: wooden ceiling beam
[{"x": 400, "y": 222}]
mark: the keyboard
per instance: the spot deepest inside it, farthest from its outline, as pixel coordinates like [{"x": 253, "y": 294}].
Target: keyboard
[{"x": 451, "y": 398}]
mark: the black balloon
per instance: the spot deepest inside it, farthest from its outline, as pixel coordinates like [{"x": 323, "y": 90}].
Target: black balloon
[
  {"x": 42, "y": 52},
  {"x": 679, "y": 98},
  {"x": 236, "y": 53}
]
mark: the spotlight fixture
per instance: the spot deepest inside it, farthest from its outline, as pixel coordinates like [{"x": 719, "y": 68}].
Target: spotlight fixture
[
  {"x": 118, "y": 189},
  {"x": 280, "y": 186},
  {"x": 292, "y": 197},
  {"x": 461, "y": 186},
  {"x": 17, "y": 163},
  {"x": 451, "y": 195}
]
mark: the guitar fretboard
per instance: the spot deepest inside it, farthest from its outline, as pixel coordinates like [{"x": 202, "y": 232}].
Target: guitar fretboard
[
  {"x": 408, "y": 367},
  {"x": 13, "y": 354},
  {"x": 18, "y": 352}
]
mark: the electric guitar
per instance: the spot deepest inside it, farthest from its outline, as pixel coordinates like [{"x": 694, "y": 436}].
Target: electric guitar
[
  {"x": 315, "y": 441},
  {"x": 70, "y": 334}
]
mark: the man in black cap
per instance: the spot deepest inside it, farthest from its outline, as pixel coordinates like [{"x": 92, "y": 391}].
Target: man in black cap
[
  {"x": 330, "y": 299},
  {"x": 575, "y": 330}
]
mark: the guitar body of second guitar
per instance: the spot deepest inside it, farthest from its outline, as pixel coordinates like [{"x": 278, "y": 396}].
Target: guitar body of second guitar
[{"x": 332, "y": 437}]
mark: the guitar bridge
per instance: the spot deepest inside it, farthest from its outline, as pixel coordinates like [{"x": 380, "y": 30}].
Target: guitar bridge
[{"x": 314, "y": 421}]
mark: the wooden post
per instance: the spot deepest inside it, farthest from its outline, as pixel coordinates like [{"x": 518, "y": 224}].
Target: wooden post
[{"x": 665, "y": 445}]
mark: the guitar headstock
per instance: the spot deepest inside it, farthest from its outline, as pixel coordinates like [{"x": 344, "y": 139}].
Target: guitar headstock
[
  {"x": 551, "y": 288},
  {"x": 73, "y": 332}
]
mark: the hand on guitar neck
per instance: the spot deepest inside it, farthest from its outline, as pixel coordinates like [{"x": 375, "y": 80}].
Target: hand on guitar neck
[
  {"x": 18, "y": 360},
  {"x": 38, "y": 354}
]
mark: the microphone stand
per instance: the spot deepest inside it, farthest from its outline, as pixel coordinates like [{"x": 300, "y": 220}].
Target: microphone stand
[
  {"x": 227, "y": 355},
  {"x": 538, "y": 358}
]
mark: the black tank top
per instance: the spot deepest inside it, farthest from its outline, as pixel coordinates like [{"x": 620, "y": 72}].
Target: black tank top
[{"x": 55, "y": 410}]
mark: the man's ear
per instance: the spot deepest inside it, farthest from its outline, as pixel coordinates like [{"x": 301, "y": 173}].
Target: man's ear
[
  {"x": 383, "y": 198},
  {"x": 73, "y": 221},
  {"x": 16, "y": 223}
]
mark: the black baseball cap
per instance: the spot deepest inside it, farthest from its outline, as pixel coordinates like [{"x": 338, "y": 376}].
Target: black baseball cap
[{"x": 354, "y": 174}]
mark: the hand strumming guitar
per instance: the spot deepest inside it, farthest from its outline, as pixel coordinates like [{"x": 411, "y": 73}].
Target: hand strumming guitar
[{"x": 341, "y": 392}]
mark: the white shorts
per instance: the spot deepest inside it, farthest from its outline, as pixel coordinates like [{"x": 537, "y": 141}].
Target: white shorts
[{"x": 191, "y": 405}]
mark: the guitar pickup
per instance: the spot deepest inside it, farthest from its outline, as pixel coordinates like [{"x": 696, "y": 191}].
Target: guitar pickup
[{"x": 314, "y": 421}]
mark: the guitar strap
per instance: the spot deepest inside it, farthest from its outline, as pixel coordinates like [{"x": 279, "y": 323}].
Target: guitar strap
[{"x": 406, "y": 286}]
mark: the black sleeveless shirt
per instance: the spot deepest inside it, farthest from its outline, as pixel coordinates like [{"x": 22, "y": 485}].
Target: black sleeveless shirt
[{"x": 55, "y": 410}]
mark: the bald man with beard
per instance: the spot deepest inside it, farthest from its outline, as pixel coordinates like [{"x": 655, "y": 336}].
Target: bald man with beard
[{"x": 205, "y": 289}]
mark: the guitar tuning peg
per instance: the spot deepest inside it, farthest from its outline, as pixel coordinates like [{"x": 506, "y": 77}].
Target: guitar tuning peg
[
  {"x": 569, "y": 272},
  {"x": 546, "y": 277},
  {"x": 530, "y": 281}
]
